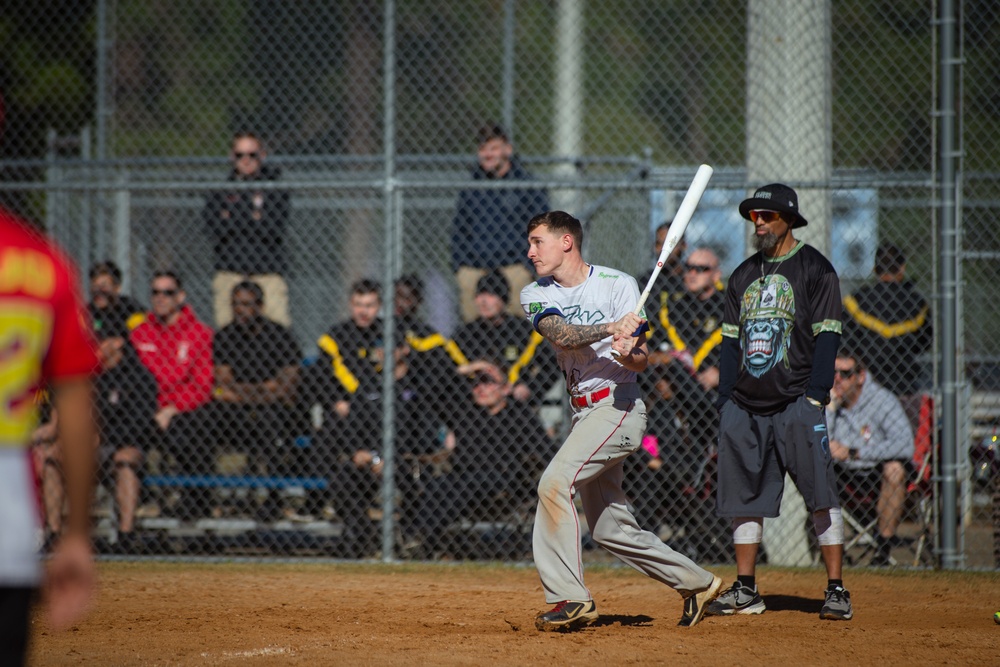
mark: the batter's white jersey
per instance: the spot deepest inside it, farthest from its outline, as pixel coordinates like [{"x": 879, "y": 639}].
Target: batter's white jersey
[{"x": 607, "y": 295}]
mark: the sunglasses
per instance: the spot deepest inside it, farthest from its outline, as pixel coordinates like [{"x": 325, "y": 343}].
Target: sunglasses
[
  {"x": 242, "y": 303},
  {"x": 700, "y": 268},
  {"x": 764, "y": 216},
  {"x": 847, "y": 373},
  {"x": 163, "y": 292},
  {"x": 253, "y": 156}
]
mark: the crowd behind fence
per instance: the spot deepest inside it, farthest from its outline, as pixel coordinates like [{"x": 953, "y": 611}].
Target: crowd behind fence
[
  {"x": 115, "y": 118},
  {"x": 295, "y": 474}
]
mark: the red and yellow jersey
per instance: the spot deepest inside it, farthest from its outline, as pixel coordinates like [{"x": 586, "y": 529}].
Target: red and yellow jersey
[{"x": 43, "y": 336}]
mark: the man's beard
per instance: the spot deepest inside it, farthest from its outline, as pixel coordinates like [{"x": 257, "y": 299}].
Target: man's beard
[{"x": 765, "y": 243}]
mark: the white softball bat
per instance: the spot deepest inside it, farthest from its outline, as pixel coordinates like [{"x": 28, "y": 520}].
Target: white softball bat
[{"x": 676, "y": 230}]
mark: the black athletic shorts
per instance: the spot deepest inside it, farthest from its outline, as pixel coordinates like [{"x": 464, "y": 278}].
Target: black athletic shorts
[{"x": 755, "y": 452}]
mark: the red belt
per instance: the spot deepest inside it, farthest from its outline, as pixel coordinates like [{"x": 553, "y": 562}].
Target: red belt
[{"x": 590, "y": 399}]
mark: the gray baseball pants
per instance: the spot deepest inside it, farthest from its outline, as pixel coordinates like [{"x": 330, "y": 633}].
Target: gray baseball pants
[{"x": 590, "y": 463}]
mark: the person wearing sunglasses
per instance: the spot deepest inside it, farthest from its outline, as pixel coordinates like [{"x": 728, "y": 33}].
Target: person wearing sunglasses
[
  {"x": 177, "y": 348},
  {"x": 247, "y": 230},
  {"x": 872, "y": 443},
  {"x": 780, "y": 331}
]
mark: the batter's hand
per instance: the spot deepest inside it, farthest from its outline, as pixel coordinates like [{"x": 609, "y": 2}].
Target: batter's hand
[
  {"x": 623, "y": 345},
  {"x": 627, "y": 326}
]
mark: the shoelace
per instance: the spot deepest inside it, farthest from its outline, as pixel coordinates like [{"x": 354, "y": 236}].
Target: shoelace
[{"x": 559, "y": 607}]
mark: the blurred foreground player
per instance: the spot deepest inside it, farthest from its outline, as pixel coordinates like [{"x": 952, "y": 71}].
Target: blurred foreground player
[{"x": 43, "y": 341}]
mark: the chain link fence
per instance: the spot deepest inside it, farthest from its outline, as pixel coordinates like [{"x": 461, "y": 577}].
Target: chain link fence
[{"x": 350, "y": 162}]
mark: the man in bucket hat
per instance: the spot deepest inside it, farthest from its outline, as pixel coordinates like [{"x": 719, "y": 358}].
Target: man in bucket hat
[{"x": 781, "y": 330}]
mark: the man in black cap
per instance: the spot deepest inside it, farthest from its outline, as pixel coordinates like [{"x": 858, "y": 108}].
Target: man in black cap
[
  {"x": 781, "y": 330},
  {"x": 488, "y": 227},
  {"x": 496, "y": 334}
]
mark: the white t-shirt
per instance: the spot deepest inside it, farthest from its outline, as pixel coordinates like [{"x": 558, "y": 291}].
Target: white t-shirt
[{"x": 606, "y": 295}]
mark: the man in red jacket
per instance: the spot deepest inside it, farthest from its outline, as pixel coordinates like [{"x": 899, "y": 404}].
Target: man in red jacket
[{"x": 177, "y": 349}]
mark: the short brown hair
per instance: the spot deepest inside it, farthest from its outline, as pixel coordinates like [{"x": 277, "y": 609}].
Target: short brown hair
[{"x": 559, "y": 222}]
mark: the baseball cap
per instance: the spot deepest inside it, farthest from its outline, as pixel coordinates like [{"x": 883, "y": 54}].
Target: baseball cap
[
  {"x": 775, "y": 197},
  {"x": 494, "y": 282}
]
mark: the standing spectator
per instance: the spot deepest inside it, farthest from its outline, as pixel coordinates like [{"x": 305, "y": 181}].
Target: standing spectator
[
  {"x": 585, "y": 311},
  {"x": 108, "y": 307},
  {"x": 488, "y": 225},
  {"x": 247, "y": 231},
  {"x": 41, "y": 306},
  {"x": 780, "y": 335},
  {"x": 499, "y": 449},
  {"x": 889, "y": 324},
  {"x": 177, "y": 348},
  {"x": 256, "y": 363},
  {"x": 872, "y": 443},
  {"x": 496, "y": 334}
]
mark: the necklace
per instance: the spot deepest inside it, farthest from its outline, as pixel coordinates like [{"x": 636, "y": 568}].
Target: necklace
[{"x": 773, "y": 269}]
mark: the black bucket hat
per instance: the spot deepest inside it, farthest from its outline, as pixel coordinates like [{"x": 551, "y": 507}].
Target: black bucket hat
[{"x": 775, "y": 197}]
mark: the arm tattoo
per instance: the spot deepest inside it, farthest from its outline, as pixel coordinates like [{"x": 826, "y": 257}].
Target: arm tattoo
[{"x": 571, "y": 336}]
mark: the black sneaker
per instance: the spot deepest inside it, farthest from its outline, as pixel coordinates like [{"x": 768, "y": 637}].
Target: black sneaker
[
  {"x": 837, "y": 606},
  {"x": 567, "y": 615},
  {"x": 696, "y": 603},
  {"x": 737, "y": 599}
]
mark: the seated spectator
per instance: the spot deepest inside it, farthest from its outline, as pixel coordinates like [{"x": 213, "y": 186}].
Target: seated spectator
[
  {"x": 108, "y": 307},
  {"x": 48, "y": 469},
  {"x": 423, "y": 339},
  {"x": 419, "y": 403},
  {"x": 125, "y": 402},
  {"x": 500, "y": 448},
  {"x": 496, "y": 334},
  {"x": 871, "y": 442},
  {"x": 177, "y": 348},
  {"x": 347, "y": 352},
  {"x": 256, "y": 363},
  {"x": 348, "y": 359}
]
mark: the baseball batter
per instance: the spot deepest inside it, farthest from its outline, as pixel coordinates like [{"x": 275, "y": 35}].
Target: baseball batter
[
  {"x": 585, "y": 311},
  {"x": 42, "y": 343},
  {"x": 781, "y": 330}
]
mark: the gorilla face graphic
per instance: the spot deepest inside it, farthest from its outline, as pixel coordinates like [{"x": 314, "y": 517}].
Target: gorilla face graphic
[
  {"x": 768, "y": 314},
  {"x": 764, "y": 342}
]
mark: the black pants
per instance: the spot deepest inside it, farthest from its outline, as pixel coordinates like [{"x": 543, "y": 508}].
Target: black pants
[{"x": 15, "y": 608}]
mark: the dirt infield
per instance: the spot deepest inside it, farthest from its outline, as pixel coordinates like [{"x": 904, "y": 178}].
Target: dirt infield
[{"x": 340, "y": 614}]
